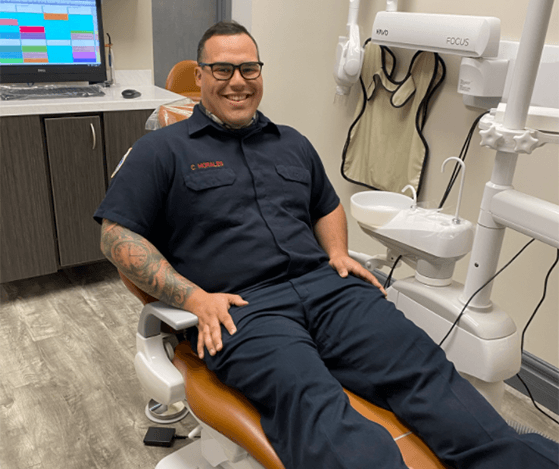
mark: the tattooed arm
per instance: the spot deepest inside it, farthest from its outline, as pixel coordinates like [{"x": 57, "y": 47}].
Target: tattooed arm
[{"x": 145, "y": 266}]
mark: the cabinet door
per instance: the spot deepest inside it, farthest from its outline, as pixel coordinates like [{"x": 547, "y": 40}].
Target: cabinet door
[
  {"x": 122, "y": 129},
  {"x": 75, "y": 152},
  {"x": 27, "y": 244}
]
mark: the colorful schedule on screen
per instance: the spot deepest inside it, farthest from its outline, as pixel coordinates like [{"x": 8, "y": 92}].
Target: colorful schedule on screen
[{"x": 49, "y": 32}]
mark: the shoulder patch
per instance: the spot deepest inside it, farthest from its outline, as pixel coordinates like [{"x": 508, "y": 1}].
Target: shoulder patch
[{"x": 118, "y": 166}]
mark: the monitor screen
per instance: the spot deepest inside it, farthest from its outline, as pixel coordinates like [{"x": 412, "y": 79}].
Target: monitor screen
[{"x": 51, "y": 41}]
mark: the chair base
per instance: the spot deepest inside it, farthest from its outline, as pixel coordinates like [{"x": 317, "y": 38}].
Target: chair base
[{"x": 163, "y": 414}]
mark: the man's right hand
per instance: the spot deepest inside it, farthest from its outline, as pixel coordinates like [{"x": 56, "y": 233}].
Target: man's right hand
[
  {"x": 212, "y": 310},
  {"x": 144, "y": 265}
]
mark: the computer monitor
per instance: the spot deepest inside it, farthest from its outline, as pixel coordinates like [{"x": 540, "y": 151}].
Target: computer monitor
[{"x": 51, "y": 41}]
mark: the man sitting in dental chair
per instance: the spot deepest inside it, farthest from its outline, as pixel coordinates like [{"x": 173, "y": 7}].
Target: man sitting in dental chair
[{"x": 233, "y": 218}]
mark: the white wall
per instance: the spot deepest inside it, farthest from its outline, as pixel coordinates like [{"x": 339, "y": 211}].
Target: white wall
[
  {"x": 241, "y": 11},
  {"x": 297, "y": 41},
  {"x": 130, "y": 26}
]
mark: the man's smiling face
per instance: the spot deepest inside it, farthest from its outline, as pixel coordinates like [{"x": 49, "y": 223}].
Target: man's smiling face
[{"x": 234, "y": 101}]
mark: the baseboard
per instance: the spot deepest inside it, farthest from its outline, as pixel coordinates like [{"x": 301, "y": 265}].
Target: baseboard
[{"x": 541, "y": 378}]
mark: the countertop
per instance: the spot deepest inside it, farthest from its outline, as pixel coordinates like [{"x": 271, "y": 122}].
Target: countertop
[{"x": 152, "y": 97}]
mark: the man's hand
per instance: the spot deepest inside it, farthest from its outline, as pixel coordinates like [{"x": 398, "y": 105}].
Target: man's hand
[
  {"x": 212, "y": 310},
  {"x": 145, "y": 266},
  {"x": 331, "y": 233},
  {"x": 345, "y": 265}
]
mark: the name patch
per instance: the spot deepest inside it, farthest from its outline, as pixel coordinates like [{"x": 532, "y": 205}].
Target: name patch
[{"x": 207, "y": 164}]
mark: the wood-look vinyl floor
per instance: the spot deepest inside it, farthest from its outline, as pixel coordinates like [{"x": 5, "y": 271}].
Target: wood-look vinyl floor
[{"x": 69, "y": 396}]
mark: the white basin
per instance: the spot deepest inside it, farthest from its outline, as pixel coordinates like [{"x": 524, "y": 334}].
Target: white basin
[
  {"x": 376, "y": 208},
  {"x": 431, "y": 240}
]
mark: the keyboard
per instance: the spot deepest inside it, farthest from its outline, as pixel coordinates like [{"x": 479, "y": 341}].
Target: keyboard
[{"x": 50, "y": 93}]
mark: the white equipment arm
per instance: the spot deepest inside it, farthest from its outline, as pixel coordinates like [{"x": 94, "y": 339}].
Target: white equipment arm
[{"x": 349, "y": 53}]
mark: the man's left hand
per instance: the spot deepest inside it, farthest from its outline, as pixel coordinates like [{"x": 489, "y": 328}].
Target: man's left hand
[{"x": 345, "y": 265}]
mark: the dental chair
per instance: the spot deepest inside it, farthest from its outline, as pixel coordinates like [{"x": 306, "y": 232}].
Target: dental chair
[
  {"x": 231, "y": 436},
  {"x": 181, "y": 80}
]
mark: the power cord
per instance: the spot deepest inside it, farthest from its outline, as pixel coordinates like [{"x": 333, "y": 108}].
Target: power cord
[
  {"x": 541, "y": 300},
  {"x": 389, "y": 278},
  {"x": 453, "y": 177},
  {"x": 534, "y": 402},
  {"x": 481, "y": 288},
  {"x": 462, "y": 156},
  {"x": 526, "y": 328}
]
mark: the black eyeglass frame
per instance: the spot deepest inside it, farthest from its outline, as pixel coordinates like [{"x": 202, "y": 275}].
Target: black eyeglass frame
[{"x": 235, "y": 67}]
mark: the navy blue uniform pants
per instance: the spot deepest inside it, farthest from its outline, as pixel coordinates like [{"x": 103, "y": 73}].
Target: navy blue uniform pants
[{"x": 298, "y": 342}]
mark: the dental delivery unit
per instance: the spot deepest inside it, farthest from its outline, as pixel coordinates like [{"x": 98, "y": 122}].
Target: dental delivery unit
[{"x": 462, "y": 317}]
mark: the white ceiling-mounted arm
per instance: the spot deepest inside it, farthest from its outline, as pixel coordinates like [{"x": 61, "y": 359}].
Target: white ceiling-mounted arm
[
  {"x": 391, "y": 5},
  {"x": 353, "y": 12},
  {"x": 354, "y": 57},
  {"x": 349, "y": 53}
]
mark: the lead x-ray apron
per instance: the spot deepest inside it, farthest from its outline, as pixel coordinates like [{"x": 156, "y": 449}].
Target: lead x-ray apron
[{"x": 385, "y": 147}]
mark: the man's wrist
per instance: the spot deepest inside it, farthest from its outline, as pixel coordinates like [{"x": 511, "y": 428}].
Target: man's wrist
[
  {"x": 195, "y": 299},
  {"x": 338, "y": 255}
]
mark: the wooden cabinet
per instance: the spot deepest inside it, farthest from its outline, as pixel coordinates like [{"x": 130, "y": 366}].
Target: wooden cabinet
[
  {"x": 54, "y": 173},
  {"x": 27, "y": 241},
  {"x": 122, "y": 129}
]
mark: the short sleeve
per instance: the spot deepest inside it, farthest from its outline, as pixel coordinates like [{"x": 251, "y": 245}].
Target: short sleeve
[
  {"x": 323, "y": 196},
  {"x": 138, "y": 189}
]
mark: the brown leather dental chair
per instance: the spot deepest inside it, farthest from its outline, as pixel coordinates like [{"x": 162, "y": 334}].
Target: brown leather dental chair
[
  {"x": 231, "y": 434},
  {"x": 181, "y": 80}
]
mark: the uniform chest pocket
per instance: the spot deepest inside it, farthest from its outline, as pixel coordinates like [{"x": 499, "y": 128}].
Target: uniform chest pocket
[
  {"x": 213, "y": 199},
  {"x": 203, "y": 180},
  {"x": 294, "y": 173},
  {"x": 296, "y": 182}
]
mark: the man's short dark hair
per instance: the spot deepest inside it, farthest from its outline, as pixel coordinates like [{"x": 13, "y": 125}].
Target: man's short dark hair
[{"x": 223, "y": 28}]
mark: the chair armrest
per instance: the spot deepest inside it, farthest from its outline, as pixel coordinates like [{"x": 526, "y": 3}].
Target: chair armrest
[
  {"x": 158, "y": 376},
  {"x": 154, "y": 313}
]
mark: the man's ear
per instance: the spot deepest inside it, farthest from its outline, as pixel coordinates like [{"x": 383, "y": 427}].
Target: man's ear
[{"x": 198, "y": 76}]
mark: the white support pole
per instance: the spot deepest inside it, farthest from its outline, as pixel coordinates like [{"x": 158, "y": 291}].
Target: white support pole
[
  {"x": 489, "y": 235},
  {"x": 527, "y": 63}
]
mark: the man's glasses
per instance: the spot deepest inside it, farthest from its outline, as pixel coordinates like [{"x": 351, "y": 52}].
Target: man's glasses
[{"x": 224, "y": 71}]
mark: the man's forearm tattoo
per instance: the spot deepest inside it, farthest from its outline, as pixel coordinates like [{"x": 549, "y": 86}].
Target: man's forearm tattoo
[{"x": 144, "y": 265}]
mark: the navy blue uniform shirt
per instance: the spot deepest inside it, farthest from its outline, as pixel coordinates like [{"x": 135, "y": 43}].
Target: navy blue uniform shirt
[{"x": 230, "y": 210}]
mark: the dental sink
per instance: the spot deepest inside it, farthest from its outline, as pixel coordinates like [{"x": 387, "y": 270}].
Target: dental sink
[
  {"x": 377, "y": 208},
  {"x": 432, "y": 240}
]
